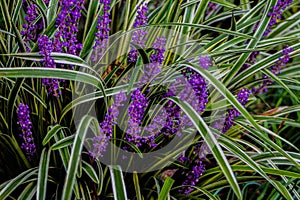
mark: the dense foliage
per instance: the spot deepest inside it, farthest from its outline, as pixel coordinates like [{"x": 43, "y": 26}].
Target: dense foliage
[{"x": 105, "y": 99}]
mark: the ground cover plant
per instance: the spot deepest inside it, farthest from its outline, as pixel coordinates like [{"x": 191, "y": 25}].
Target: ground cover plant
[{"x": 105, "y": 99}]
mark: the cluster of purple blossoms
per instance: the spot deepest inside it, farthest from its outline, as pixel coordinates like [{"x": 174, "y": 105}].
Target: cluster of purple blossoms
[
  {"x": 25, "y": 125},
  {"x": 167, "y": 122},
  {"x": 29, "y": 29},
  {"x": 275, "y": 13},
  {"x": 139, "y": 36},
  {"x": 198, "y": 83},
  {"x": 159, "y": 48},
  {"x": 173, "y": 120},
  {"x": 67, "y": 23},
  {"x": 156, "y": 59},
  {"x": 211, "y": 7},
  {"x": 46, "y": 48},
  {"x": 242, "y": 97},
  {"x": 100, "y": 142},
  {"x": 136, "y": 110},
  {"x": 195, "y": 88},
  {"x": 275, "y": 69},
  {"x": 192, "y": 175},
  {"x": 103, "y": 30}
]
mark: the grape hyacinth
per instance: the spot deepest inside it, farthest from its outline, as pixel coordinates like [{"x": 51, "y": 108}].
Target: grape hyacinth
[
  {"x": 242, "y": 97},
  {"x": 100, "y": 142},
  {"x": 25, "y": 126},
  {"x": 29, "y": 29},
  {"x": 275, "y": 69},
  {"x": 103, "y": 30},
  {"x": 46, "y": 48},
  {"x": 139, "y": 36},
  {"x": 67, "y": 23}
]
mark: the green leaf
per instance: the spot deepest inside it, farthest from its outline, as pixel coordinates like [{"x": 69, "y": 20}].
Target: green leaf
[
  {"x": 90, "y": 35},
  {"x": 137, "y": 186},
  {"x": 245, "y": 158},
  {"x": 207, "y": 193},
  {"x": 88, "y": 169},
  {"x": 101, "y": 178},
  {"x": 75, "y": 156},
  {"x": 224, "y": 31},
  {"x": 43, "y": 174},
  {"x": 118, "y": 184},
  {"x": 266, "y": 62},
  {"x": 51, "y": 12},
  {"x": 28, "y": 192},
  {"x": 16, "y": 182},
  {"x": 65, "y": 142},
  {"x": 53, "y": 131},
  {"x": 40, "y": 72},
  {"x": 224, "y": 3},
  {"x": 164, "y": 193},
  {"x": 275, "y": 78}
]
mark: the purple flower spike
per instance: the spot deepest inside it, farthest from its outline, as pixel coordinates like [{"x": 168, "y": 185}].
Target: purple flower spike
[
  {"x": 275, "y": 69},
  {"x": 194, "y": 173},
  {"x": 275, "y": 13},
  {"x": 136, "y": 111},
  {"x": 100, "y": 142},
  {"x": 156, "y": 60},
  {"x": 198, "y": 84},
  {"x": 139, "y": 36},
  {"x": 29, "y": 29},
  {"x": 103, "y": 30},
  {"x": 46, "y": 48},
  {"x": 242, "y": 97},
  {"x": 25, "y": 126},
  {"x": 67, "y": 23}
]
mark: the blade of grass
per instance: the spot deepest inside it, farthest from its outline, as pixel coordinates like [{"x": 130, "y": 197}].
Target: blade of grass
[
  {"x": 43, "y": 174},
  {"x": 164, "y": 193},
  {"x": 117, "y": 181},
  {"x": 75, "y": 156}
]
